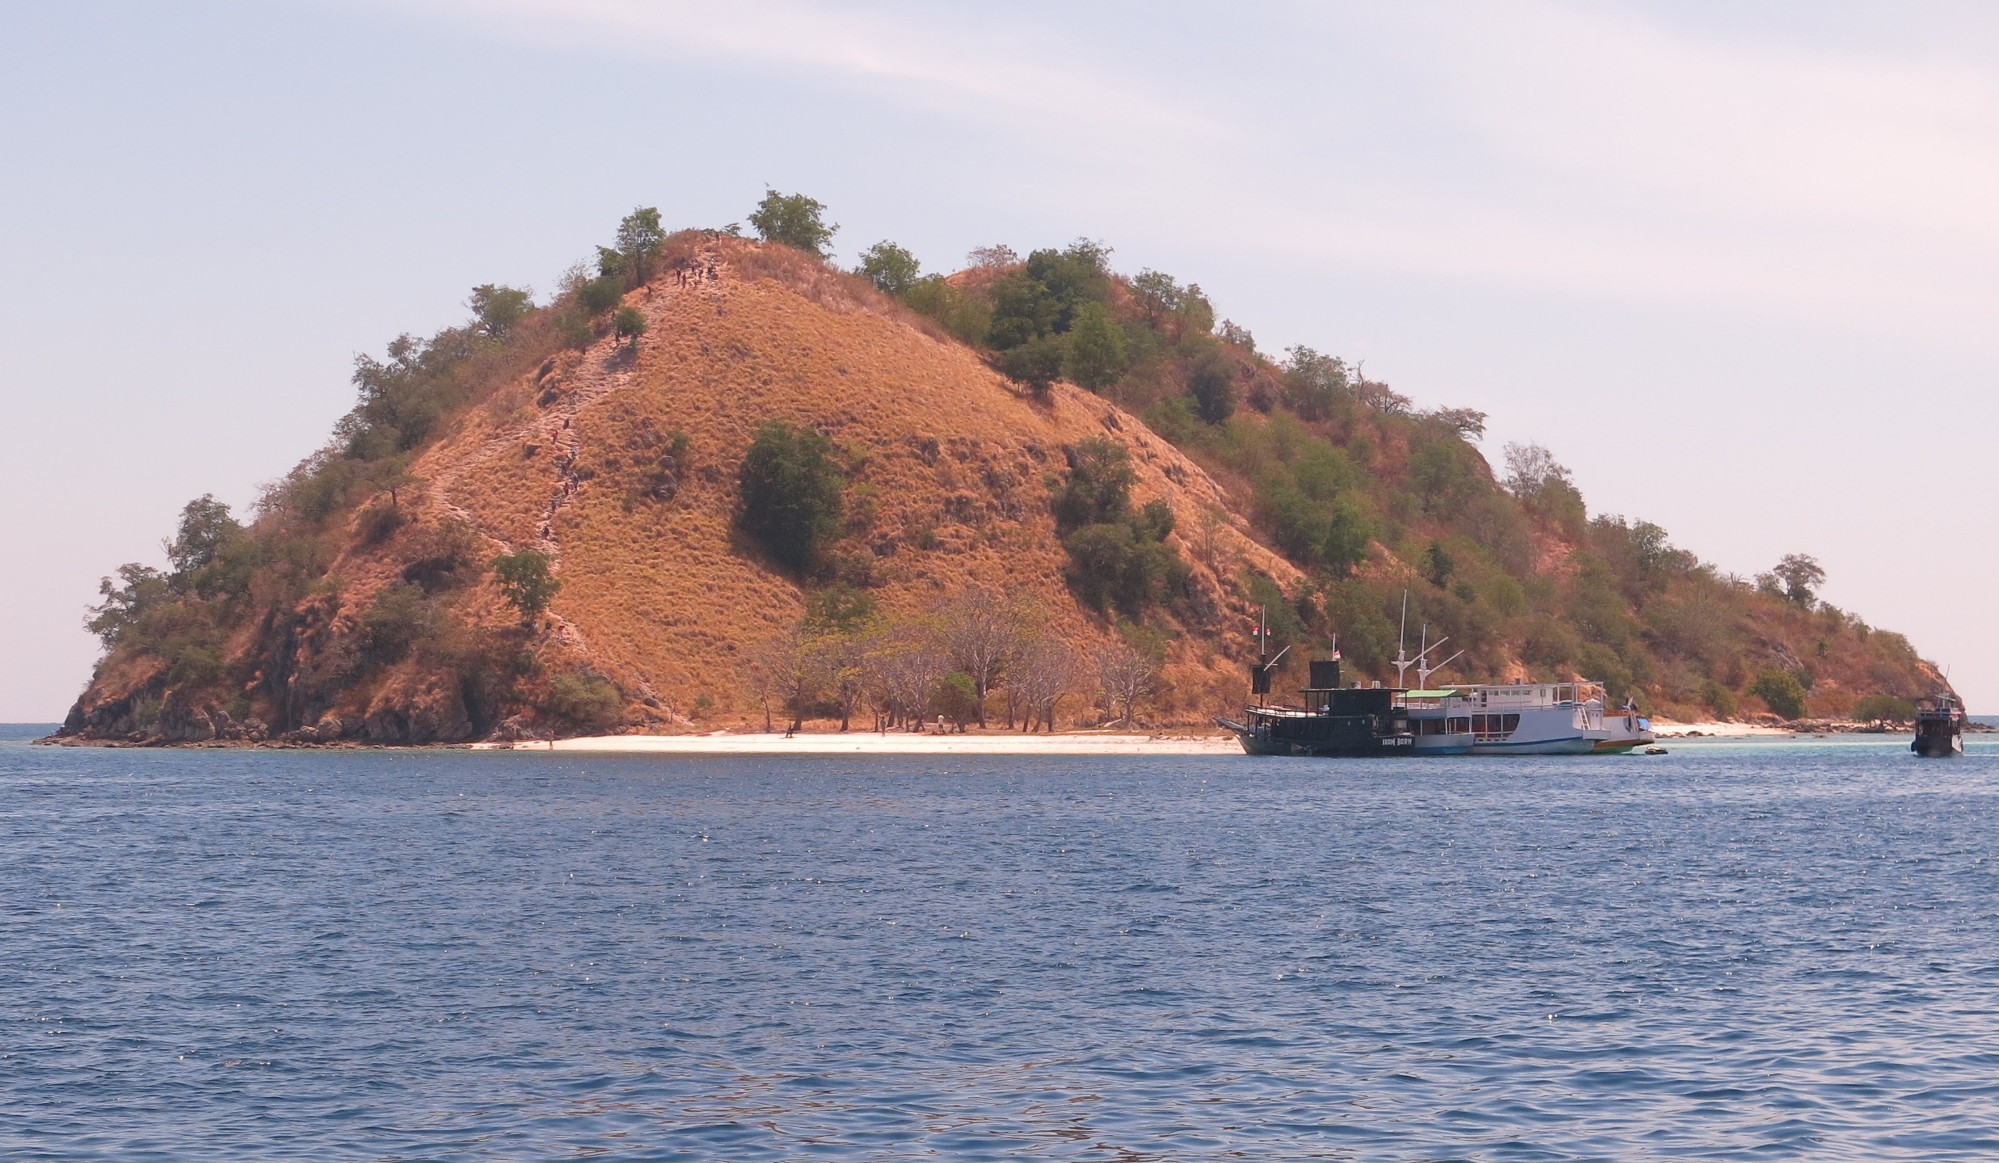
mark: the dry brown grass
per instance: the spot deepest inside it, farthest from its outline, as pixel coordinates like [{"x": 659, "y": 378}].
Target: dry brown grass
[{"x": 664, "y": 598}]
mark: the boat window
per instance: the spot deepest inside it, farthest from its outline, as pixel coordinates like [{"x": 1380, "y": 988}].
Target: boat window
[{"x": 1510, "y": 723}]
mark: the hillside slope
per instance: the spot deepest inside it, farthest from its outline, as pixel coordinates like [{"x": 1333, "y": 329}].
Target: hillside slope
[{"x": 363, "y": 602}]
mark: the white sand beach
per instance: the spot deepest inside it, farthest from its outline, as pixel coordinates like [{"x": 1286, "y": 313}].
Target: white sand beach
[{"x": 893, "y": 743}]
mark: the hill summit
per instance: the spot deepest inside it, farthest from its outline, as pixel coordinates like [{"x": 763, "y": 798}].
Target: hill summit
[{"x": 721, "y": 483}]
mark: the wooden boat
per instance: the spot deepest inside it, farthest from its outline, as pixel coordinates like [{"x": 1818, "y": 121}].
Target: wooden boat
[{"x": 1939, "y": 727}]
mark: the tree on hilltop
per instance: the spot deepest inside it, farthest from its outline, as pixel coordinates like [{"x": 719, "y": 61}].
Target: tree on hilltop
[
  {"x": 794, "y": 220},
  {"x": 640, "y": 237},
  {"x": 891, "y": 268},
  {"x": 1801, "y": 575}
]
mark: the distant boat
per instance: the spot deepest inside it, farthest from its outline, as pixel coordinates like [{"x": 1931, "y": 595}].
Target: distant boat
[{"x": 1939, "y": 727}]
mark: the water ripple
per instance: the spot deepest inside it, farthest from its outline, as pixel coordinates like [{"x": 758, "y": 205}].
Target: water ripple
[{"x": 1738, "y": 951}]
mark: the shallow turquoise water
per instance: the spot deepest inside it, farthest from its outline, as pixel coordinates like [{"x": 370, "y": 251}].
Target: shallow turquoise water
[{"x": 1733, "y": 951}]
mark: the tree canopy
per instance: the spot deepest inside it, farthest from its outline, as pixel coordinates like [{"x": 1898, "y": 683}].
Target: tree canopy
[
  {"x": 794, "y": 220},
  {"x": 791, "y": 493}
]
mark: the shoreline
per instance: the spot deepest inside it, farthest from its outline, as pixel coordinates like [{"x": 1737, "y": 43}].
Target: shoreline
[{"x": 893, "y": 743}]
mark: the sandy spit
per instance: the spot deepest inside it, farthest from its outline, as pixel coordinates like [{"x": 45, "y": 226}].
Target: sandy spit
[{"x": 898, "y": 743}]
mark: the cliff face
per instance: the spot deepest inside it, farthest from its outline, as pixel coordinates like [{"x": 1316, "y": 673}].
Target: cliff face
[{"x": 360, "y": 604}]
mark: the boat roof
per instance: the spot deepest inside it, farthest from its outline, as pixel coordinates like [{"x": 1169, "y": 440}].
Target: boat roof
[{"x": 1449, "y": 692}]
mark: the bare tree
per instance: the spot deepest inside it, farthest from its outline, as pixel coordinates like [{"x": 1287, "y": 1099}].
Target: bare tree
[
  {"x": 843, "y": 667},
  {"x": 982, "y": 633},
  {"x": 1128, "y": 674},
  {"x": 1530, "y": 468},
  {"x": 1209, "y": 536},
  {"x": 789, "y": 669},
  {"x": 905, "y": 665},
  {"x": 1044, "y": 673}
]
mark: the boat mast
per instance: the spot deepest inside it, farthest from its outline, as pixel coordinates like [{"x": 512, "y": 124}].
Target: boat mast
[{"x": 1402, "y": 661}]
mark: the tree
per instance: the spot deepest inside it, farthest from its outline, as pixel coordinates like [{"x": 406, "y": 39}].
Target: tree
[
  {"x": 1530, "y": 469},
  {"x": 1043, "y": 674},
  {"x": 794, "y": 667},
  {"x": 640, "y": 238},
  {"x": 983, "y": 634},
  {"x": 791, "y": 492},
  {"x": 891, "y": 268},
  {"x": 629, "y": 323},
  {"x": 1211, "y": 381},
  {"x": 497, "y": 308},
  {"x": 841, "y": 609},
  {"x": 906, "y": 665},
  {"x": 144, "y": 589},
  {"x": 1781, "y": 691},
  {"x": 1314, "y": 384},
  {"x": 1801, "y": 576},
  {"x": 1036, "y": 365},
  {"x": 525, "y": 581},
  {"x": 1096, "y": 348},
  {"x": 794, "y": 220},
  {"x": 1100, "y": 480},
  {"x": 1437, "y": 565},
  {"x": 957, "y": 699},
  {"x": 1128, "y": 669},
  {"x": 205, "y": 528}
]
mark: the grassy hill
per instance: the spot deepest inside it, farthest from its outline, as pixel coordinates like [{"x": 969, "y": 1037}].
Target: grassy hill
[{"x": 719, "y": 481}]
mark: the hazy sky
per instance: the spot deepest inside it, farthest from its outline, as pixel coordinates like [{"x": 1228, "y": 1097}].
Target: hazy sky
[{"x": 1734, "y": 264}]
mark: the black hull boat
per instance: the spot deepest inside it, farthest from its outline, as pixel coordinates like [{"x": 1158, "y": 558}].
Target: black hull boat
[
  {"x": 1356, "y": 723},
  {"x": 1939, "y": 728}
]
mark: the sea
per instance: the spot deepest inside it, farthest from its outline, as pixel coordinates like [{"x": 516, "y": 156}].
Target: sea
[{"x": 1737, "y": 950}]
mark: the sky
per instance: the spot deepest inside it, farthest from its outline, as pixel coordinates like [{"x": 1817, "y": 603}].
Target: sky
[{"x": 1734, "y": 264}]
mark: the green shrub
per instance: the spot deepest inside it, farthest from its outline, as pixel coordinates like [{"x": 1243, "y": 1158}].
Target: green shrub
[
  {"x": 1884, "y": 709},
  {"x": 629, "y": 323},
  {"x": 1781, "y": 692},
  {"x": 791, "y": 493},
  {"x": 1211, "y": 383},
  {"x": 585, "y": 701},
  {"x": 1718, "y": 698},
  {"x": 1120, "y": 565}
]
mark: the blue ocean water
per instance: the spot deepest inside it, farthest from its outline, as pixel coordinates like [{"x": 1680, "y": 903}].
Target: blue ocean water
[{"x": 1762, "y": 950}]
